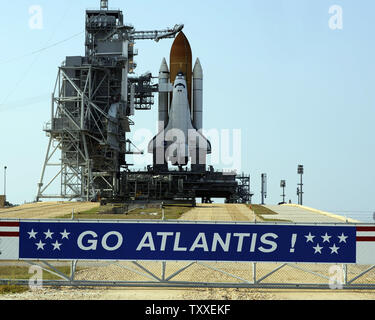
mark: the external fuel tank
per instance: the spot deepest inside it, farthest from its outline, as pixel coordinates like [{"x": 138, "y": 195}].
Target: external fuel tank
[{"x": 181, "y": 61}]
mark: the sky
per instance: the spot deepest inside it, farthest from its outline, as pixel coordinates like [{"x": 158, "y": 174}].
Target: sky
[{"x": 292, "y": 77}]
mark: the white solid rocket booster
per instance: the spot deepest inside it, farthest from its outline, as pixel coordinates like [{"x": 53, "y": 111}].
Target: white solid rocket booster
[
  {"x": 198, "y": 95},
  {"x": 163, "y": 95}
]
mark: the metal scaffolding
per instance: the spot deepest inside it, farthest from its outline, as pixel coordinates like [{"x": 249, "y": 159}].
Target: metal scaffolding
[{"x": 91, "y": 107}]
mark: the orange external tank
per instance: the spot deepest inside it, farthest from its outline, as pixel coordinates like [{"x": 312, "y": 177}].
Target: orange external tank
[{"x": 181, "y": 60}]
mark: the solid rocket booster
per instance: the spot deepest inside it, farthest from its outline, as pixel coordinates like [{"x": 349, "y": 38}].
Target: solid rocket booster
[
  {"x": 198, "y": 95},
  {"x": 163, "y": 95}
]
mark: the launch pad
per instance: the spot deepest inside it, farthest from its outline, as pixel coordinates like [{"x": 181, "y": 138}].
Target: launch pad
[
  {"x": 95, "y": 98},
  {"x": 183, "y": 187}
]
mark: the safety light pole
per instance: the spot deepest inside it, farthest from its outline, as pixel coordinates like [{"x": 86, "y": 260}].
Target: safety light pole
[
  {"x": 264, "y": 187},
  {"x": 5, "y": 183},
  {"x": 283, "y": 185},
  {"x": 299, "y": 189}
]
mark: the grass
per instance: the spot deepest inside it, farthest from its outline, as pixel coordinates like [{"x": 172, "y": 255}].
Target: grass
[
  {"x": 12, "y": 288},
  {"x": 170, "y": 212},
  {"x": 261, "y": 211},
  {"x": 22, "y": 273}
]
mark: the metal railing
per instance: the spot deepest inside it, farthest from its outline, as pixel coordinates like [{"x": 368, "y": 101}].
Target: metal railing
[{"x": 197, "y": 274}]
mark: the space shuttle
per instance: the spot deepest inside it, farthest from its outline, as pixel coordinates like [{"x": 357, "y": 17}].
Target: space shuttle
[{"x": 180, "y": 140}]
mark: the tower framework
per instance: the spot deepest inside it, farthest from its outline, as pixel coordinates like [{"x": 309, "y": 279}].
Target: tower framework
[{"x": 92, "y": 103}]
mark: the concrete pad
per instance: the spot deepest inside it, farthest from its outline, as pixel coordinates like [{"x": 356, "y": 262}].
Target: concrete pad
[{"x": 297, "y": 213}]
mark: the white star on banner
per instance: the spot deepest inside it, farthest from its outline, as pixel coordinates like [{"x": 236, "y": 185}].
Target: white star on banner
[
  {"x": 309, "y": 237},
  {"x": 334, "y": 249},
  {"x": 40, "y": 245},
  {"x": 326, "y": 237},
  {"x": 48, "y": 234},
  {"x": 318, "y": 248},
  {"x": 56, "y": 245},
  {"x": 32, "y": 234},
  {"x": 64, "y": 234},
  {"x": 342, "y": 237}
]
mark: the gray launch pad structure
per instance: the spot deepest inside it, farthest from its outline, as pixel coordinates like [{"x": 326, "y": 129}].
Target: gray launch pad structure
[{"x": 93, "y": 100}]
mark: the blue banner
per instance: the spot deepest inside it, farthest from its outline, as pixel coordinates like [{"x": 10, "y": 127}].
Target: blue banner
[{"x": 186, "y": 241}]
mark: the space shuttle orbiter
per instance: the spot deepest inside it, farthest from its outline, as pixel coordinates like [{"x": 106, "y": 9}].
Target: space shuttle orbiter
[{"x": 180, "y": 139}]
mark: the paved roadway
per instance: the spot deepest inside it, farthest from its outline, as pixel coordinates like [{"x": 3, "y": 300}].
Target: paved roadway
[
  {"x": 219, "y": 212},
  {"x": 296, "y": 213},
  {"x": 240, "y": 212}
]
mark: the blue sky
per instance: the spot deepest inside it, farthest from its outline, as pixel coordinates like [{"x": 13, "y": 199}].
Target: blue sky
[{"x": 300, "y": 92}]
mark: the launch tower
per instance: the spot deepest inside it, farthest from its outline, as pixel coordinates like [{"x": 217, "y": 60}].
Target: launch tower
[
  {"x": 91, "y": 106},
  {"x": 94, "y": 100}
]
